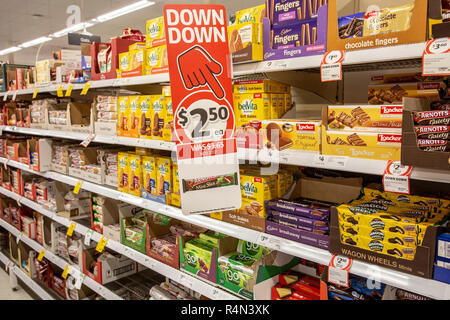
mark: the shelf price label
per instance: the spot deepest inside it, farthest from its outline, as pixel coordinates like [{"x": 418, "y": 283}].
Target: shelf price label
[
  {"x": 85, "y": 143},
  {"x": 77, "y": 188},
  {"x": 35, "y": 93},
  {"x": 5, "y": 97},
  {"x": 69, "y": 90},
  {"x": 59, "y": 91},
  {"x": 338, "y": 270},
  {"x": 79, "y": 280},
  {"x": 41, "y": 255},
  {"x": 86, "y": 88},
  {"x": 88, "y": 237},
  {"x": 14, "y": 96},
  {"x": 71, "y": 229},
  {"x": 436, "y": 57},
  {"x": 396, "y": 177},
  {"x": 331, "y": 66},
  {"x": 66, "y": 272},
  {"x": 204, "y": 118},
  {"x": 101, "y": 244}
]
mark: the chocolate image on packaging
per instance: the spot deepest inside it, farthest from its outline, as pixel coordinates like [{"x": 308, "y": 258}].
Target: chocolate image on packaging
[
  {"x": 351, "y": 26},
  {"x": 286, "y": 11},
  {"x": 433, "y": 132},
  {"x": 432, "y": 118},
  {"x": 235, "y": 41},
  {"x": 355, "y": 140},
  {"x": 210, "y": 182},
  {"x": 276, "y": 140},
  {"x": 433, "y": 145},
  {"x": 361, "y": 115},
  {"x": 388, "y": 20},
  {"x": 294, "y": 35}
]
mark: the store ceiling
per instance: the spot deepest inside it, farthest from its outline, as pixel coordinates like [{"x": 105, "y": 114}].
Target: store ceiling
[{"x": 24, "y": 20}]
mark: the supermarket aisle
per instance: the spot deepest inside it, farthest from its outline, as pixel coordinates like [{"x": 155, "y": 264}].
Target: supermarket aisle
[{"x": 6, "y": 293}]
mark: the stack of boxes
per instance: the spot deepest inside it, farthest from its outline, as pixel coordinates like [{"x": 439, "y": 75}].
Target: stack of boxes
[
  {"x": 156, "y": 53},
  {"x": 368, "y": 132}
]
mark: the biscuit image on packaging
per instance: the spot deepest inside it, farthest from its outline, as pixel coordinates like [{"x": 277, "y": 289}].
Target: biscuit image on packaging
[
  {"x": 361, "y": 115},
  {"x": 356, "y": 140},
  {"x": 276, "y": 140}
]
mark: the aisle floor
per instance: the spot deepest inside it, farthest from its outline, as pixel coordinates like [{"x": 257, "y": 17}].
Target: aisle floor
[{"x": 6, "y": 293}]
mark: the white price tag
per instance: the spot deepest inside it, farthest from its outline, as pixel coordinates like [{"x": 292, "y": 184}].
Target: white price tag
[
  {"x": 322, "y": 161},
  {"x": 269, "y": 241},
  {"x": 8, "y": 264},
  {"x": 396, "y": 177},
  {"x": 331, "y": 66},
  {"x": 185, "y": 280},
  {"x": 79, "y": 280},
  {"x": 149, "y": 263},
  {"x": 5, "y": 97},
  {"x": 14, "y": 96},
  {"x": 88, "y": 140},
  {"x": 19, "y": 237},
  {"x": 436, "y": 57},
  {"x": 338, "y": 270},
  {"x": 88, "y": 236}
]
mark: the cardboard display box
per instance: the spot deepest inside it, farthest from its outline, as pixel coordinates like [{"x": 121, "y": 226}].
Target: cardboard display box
[
  {"x": 111, "y": 223},
  {"x": 57, "y": 283},
  {"x": 26, "y": 257},
  {"x": 43, "y": 150},
  {"x": 80, "y": 117},
  {"x": 43, "y": 271},
  {"x": 14, "y": 250},
  {"x": 77, "y": 294},
  {"x": 109, "y": 268},
  {"x": 139, "y": 233},
  {"x": 19, "y": 148},
  {"x": 417, "y": 32},
  {"x": 188, "y": 263},
  {"x": 27, "y": 224},
  {"x": 41, "y": 125},
  {"x": 61, "y": 168},
  {"x": 157, "y": 230},
  {"x": 61, "y": 107},
  {"x": 6, "y": 202},
  {"x": 411, "y": 154},
  {"x": 6, "y": 178},
  {"x": 316, "y": 48},
  {"x": 90, "y": 155},
  {"x": 263, "y": 269},
  {"x": 47, "y": 226},
  {"x": 110, "y": 213}
]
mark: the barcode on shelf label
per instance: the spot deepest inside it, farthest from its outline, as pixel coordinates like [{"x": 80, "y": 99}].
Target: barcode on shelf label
[{"x": 88, "y": 236}]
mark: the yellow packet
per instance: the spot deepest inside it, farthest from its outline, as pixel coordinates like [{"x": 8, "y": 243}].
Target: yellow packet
[
  {"x": 135, "y": 170},
  {"x": 176, "y": 201},
  {"x": 149, "y": 173},
  {"x": 163, "y": 175},
  {"x": 254, "y": 14},
  {"x": 155, "y": 32},
  {"x": 146, "y": 118},
  {"x": 123, "y": 116},
  {"x": 123, "y": 173},
  {"x": 388, "y": 20}
]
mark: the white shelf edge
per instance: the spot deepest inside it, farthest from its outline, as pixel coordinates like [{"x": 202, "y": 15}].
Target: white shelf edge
[
  {"x": 427, "y": 287},
  {"x": 198, "y": 285},
  {"x": 74, "y": 270},
  {"x": 29, "y": 282},
  {"x": 289, "y": 157},
  {"x": 364, "y": 56}
]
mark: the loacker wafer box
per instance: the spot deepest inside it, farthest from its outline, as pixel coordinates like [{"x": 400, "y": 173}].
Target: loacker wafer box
[{"x": 380, "y": 118}]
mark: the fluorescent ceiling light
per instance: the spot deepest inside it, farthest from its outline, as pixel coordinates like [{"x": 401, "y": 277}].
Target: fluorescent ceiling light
[
  {"x": 35, "y": 42},
  {"x": 125, "y": 10},
  {"x": 9, "y": 50},
  {"x": 76, "y": 27}
]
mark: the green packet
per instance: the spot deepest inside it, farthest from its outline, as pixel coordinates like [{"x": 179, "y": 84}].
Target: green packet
[
  {"x": 161, "y": 219},
  {"x": 252, "y": 249},
  {"x": 212, "y": 238},
  {"x": 235, "y": 276},
  {"x": 238, "y": 261},
  {"x": 198, "y": 254}
]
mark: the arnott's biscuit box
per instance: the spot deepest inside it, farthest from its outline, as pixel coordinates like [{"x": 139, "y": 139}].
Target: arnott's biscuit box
[{"x": 388, "y": 229}]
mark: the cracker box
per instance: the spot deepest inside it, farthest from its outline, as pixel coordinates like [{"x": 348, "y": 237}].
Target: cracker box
[
  {"x": 366, "y": 145},
  {"x": 255, "y": 190},
  {"x": 135, "y": 178},
  {"x": 155, "y": 32},
  {"x": 245, "y": 42},
  {"x": 163, "y": 175},
  {"x": 149, "y": 175},
  {"x": 123, "y": 172},
  {"x": 159, "y": 112},
  {"x": 175, "y": 199},
  {"x": 251, "y": 107},
  {"x": 254, "y": 14},
  {"x": 291, "y": 134},
  {"x": 138, "y": 64},
  {"x": 156, "y": 60},
  {"x": 168, "y": 129},
  {"x": 123, "y": 116},
  {"x": 146, "y": 118},
  {"x": 259, "y": 86},
  {"x": 380, "y": 118}
]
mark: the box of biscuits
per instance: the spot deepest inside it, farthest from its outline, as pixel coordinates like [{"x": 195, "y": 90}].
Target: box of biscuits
[
  {"x": 394, "y": 92},
  {"x": 245, "y": 42},
  {"x": 156, "y": 60}
]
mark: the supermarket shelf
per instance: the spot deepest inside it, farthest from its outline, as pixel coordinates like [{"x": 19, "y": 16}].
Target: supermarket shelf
[
  {"x": 132, "y": 142},
  {"x": 362, "y": 57},
  {"x": 74, "y": 271},
  {"x": 30, "y": 283},
  {"x": 206, "y": 289},
  {"x": 291, "y": 157},
  {"x": 430, "y": 288}
]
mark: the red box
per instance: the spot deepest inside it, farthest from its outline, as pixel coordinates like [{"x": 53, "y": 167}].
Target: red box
[
  {"x": 43, "y": 271},
  {"x": 59, "y": 285},
  {"x": 117, "y": 46}
]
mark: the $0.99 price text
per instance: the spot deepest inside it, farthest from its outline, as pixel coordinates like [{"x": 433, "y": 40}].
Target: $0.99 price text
[{"x": 198, "y": 119}]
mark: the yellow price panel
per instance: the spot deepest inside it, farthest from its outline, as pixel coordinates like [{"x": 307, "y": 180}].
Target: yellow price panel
[
  {"x": 41, "y": 255},
  {"x": 59, "y": 92},
  {"x": 101, "y": 244},
  {"x": 69, "y": 90},
  {"x": 77, "y": 188},
  {"x": 71, "y": 229},
  {"x": 66, "y": 271},
  {"x": 35, "y": 93},
  {"x": 86, "y": 88}
]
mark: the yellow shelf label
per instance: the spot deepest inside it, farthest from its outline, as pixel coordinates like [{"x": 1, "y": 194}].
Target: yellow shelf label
[
  {"x": 66, "y": 271},
  {"x": 59, "y": 92},
  {"x": 101, "y": 244},
  {"x": 69, "y": 90},
  {"x": 71, "y": 229},
  {"x": 41, "y": 255},
  {"x": 86, "y": 88},
  {"x": 77, "y": 188},
  {"x": 35, "y": 93}
]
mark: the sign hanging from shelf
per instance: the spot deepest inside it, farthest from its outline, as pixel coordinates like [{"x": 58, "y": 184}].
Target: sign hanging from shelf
[
  {"x": 35, "y": 93},
  {"x": 396, "y": 177},
  {"x": 331, "y": 66},
  {"x": 204, "y": 121},
  {"x": 338, "y": 270},
  {"x": 436, "y": 58}
]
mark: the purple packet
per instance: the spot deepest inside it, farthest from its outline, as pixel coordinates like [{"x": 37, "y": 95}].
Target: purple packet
[
  {"x": 297, "y": 220},
  {"x": 319, "y": 230},
  {"x": 306, "y": 210},
  {"x": 294, "y": 35},
  {"x": 286, "y": 11}
]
